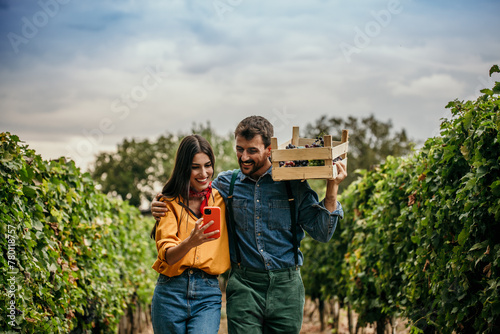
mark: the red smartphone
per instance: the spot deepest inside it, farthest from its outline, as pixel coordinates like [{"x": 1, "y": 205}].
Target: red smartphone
[{"x": 212, "y": 213}]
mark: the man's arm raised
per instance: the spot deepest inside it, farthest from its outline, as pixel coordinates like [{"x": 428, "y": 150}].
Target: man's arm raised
[{"x": 332, "y": 187}]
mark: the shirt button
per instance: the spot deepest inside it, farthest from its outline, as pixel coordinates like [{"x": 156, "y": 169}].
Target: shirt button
[
  {"x": 261, "y": 250},
  {"x": 258, "y": 217},
  {"x": 191, "y": 272},
  {"x": 257, "y": 201}
]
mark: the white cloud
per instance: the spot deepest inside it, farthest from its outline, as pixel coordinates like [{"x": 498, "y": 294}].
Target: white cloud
[
  {"x": 263, "y": 58},
  {"x": 429, "y": 87}
]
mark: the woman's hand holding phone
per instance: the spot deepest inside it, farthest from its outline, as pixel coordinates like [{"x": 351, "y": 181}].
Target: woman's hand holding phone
[
  {"x": 199, "y": 234},
  {"x": 197, "y": 237},
  {"x": 206, "y": 228},
  {"x": 212, "y": 214}
]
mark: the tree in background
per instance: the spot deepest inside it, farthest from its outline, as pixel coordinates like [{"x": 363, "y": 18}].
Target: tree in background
[
  {"x": 138, "y": 169},
  {"x": 127, "y": 172}
]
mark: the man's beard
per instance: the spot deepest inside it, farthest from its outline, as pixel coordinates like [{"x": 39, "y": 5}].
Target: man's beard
[{"x": 254, "y": 168}]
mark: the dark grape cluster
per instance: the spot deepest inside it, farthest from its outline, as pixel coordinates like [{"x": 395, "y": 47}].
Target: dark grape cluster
[
  {"x": 294, "y": 163},
  {"x": 319, "y": 142}
]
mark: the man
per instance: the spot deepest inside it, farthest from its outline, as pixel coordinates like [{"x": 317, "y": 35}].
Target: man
[{"x": 265, "y": 293}]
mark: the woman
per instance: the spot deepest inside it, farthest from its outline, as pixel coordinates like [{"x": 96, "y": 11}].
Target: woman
[{"x": 187, "y": 297}]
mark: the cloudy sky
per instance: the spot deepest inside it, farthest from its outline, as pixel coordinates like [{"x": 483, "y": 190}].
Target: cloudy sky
[{"x": 77, "y": 77}]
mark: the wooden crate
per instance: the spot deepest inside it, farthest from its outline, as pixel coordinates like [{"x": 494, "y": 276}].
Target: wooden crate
[{"x": 332, "y": 150}]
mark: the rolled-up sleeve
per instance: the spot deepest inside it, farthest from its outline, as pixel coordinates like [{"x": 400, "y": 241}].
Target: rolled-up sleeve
[
  {"x": 339, "y": 212},
  {"x": 315, "y": 219},
  {"x": 167, "y": 234}
]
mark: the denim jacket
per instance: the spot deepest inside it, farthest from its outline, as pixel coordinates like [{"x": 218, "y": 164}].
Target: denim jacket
[{"x": 263, "y": 221}]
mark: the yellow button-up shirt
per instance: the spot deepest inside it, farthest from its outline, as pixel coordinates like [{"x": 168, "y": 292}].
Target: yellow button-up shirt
[{"x": 212, "y": 257}]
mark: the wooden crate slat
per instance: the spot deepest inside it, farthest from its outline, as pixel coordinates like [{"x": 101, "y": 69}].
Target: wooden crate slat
[
  {"x": 345, "y": 139},
  {"x": 328, "y": 143},
  {"x": 340, "y": 149},
  {"x": 303, "y": 173},
  {"x": 318, "y": 153},
  {"x": 295, "y": 136},
  {"x": 306, "y": 141},
  {"x": 274, "y": 145}
]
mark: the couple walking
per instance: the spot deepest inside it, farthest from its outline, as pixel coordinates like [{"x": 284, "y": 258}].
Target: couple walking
[{"x": 262, "y": 223}]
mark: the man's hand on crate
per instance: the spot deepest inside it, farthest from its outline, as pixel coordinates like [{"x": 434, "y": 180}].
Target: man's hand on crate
[{"x": 332, "y": 186}]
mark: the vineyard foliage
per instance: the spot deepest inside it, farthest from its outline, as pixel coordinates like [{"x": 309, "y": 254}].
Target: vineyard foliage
[
  {"x": 420, "y": 237},
  {"x": 73, "y": 259}
]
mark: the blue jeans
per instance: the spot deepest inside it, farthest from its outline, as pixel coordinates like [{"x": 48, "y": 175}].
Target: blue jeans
[{"x": 188, "y": 303}]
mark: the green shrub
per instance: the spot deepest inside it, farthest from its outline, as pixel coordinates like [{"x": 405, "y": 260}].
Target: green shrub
[{"x": 74, "y": 260}]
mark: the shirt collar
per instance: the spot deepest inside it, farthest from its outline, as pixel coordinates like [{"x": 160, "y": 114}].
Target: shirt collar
[{"x": 243, "y": 176}]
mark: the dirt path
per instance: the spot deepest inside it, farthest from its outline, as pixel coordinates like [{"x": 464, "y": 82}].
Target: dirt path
[{"x": 309, "y": 325}]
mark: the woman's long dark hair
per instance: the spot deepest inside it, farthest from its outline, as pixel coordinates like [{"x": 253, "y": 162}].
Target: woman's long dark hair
[{"x": 178, "y": 183}]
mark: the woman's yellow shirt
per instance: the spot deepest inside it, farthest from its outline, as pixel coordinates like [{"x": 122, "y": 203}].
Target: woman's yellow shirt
[{"x": 211, "y": 257}]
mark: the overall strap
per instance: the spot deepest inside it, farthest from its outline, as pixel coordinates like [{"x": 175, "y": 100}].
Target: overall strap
[
  {"x": 295, "y": 243},
  {"x": 232, "y": 223}
]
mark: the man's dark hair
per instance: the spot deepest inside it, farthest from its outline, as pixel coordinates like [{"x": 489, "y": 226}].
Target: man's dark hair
[{"x": 253, "y": 126}]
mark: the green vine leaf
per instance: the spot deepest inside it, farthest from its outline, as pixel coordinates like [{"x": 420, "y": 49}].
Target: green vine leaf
[{"x": 494, "y": 69}]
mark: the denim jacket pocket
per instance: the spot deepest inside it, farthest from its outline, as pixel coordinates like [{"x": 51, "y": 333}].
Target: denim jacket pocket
[
  {"x": 279, "y": 215},
  {"x": 241, "y": 216}
]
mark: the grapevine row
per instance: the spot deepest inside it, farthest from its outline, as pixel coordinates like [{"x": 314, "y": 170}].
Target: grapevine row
[{"x": 418, "y": 239}]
